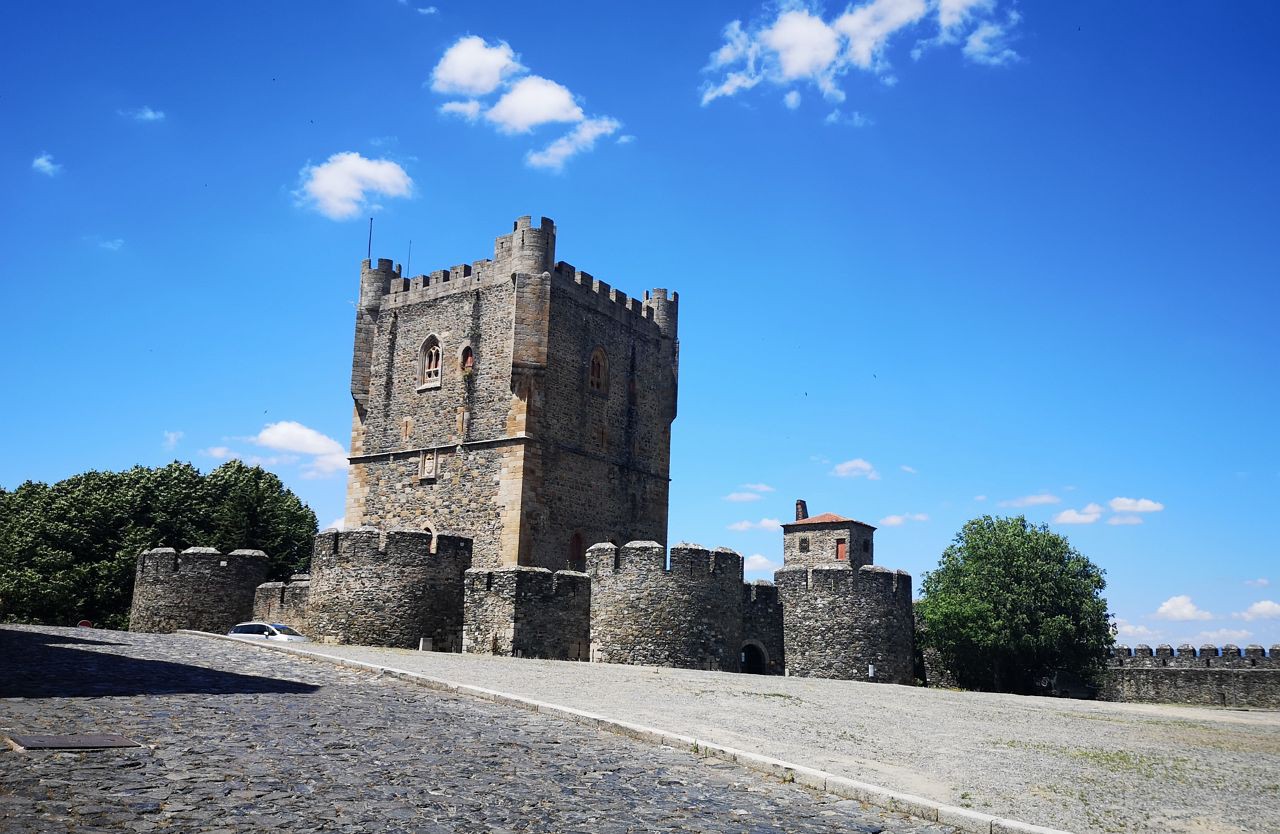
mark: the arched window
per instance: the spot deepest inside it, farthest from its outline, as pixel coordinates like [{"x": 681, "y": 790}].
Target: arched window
[
  {"x": 429, "y": 363},
  {"x": 598, "y": 374},
  {"x": 467, "y": 361}
]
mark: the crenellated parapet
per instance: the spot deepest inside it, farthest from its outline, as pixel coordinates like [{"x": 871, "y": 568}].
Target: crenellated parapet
[
  {"x": 284, "y": 602},
  {"x": 1187, "y": 656},
  {"x": 395, "y": 588},
  {"x": 200, "y": 588},
  {"x": 852, "y": 623},
  {"x": 1210, "y": 676},
  {"x": 519, "y": 611},
  {"x": 683, "y": 611}
]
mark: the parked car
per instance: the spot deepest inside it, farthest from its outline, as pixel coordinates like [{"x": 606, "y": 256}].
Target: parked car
[
  {"x": 1064, "y": 684},
  {"x": 268, "y": 631}
]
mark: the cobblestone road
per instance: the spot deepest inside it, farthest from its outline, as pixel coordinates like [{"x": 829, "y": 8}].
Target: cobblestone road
[{"x": 237, "y": 739}]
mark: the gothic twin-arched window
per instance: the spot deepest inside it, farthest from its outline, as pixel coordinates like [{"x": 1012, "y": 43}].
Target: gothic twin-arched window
[
  {"x": 429, "y": 363},
  {"x": 598, "y": 371}
]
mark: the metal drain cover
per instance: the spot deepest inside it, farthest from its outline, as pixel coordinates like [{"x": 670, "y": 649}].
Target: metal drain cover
[{"x": 77, "y": 742}]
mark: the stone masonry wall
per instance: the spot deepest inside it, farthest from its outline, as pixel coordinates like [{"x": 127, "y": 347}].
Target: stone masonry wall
[
  {"x": 520, "y": 611},
  {"x": 372, "y": 590},
  {"x": 1229, "y": 677},
  {"x": 762, "y": 623},
  {"x": 838, "y": 621},
  {"x": 284, "y": 602},
  {"x": 198, "y": 588},
  {"x": 687, "y": 615}
]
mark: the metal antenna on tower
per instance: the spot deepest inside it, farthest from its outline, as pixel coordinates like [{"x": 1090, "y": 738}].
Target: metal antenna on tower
[
  {"x": 409, "y": 259},
  {"x": 369, "y": 253}
]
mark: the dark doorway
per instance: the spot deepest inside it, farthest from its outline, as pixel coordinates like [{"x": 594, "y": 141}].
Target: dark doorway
[
  {"x": 577, "y": 554},
  {"x": 753, "y": 660}
]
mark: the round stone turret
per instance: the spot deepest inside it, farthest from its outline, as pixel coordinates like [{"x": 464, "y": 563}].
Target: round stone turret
[{"x": 199, "y": 588}]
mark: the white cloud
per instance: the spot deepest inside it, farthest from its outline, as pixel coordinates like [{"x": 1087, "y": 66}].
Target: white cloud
[
  {"x": 338, "y": 187},
  {"x": 856, "y": 468},
  {"x": 791, "y": 99},
  {"x": 1088, "y": 515},
  {"x": 1129, "y": 630},
  {"x": 979, "y": 498},
  {"x": 855, "y": 119},
  {"x": 1260, "y": 582},
  {"x": 338, "y": 523},
  {"x": 1032, "y": 500},
  {"x": 112, "y": 245},
  {"x": 758, "y": 487},
  {"x": 1180, "y": 608},
  {"x": 472, "y": 67},
  {"x": 741, "y": 497},
  {"x": 582, "y": 138},
  {"x": 1120, "y": 520},
  {"x": 757, "y": 562},
  {"x": 143, "y": 114},
  {"x": 762, "y": 524},
  {"x": 44, "y": 164},
  {"x": 533, "y": 101},
  {"x": 1135, "y": 505},
  {"x": 425, "y": 10},
  {"x": 171, "y": 439},
  {"x": 910, "y": 470},
  {"x": 1263, "y": 610},
  {"x": 899, "y": 520},
  {"x": 796, "y": 44},
  {"x": 328, "y": 456},
  {"x": 469, "y": 110},
  {"x": 1223, "y": 635},
  {"x": 626, "y": 139}
]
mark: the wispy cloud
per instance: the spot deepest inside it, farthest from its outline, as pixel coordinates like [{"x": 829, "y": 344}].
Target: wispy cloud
[
  {"x": 171, "y": 439},
  {"x": 112, "y": 245},
  {"x": 1121, "y": 520},
  {"x": 1262, "y": 610},
  {"x": 856, "y": 468},
  {"x": 758, "y": 487},
  {"x": 143, "y": 114},
  {"x": 328, "y": 456},
  {"x": 340, "y": 187},
  {"x": 762, "y": 524},
  {"x": 757, "y": 562},
  {"x": 910, "y": 470},
  {"x": 1260, "y": 582},
  {"x": 1133, "y": 631},
  {"x": 792, "y": 99},
  {"x": 1037, "y": 500},
  {"x": 795, "y": 44},
  {"x": 899, "y": 520},
  {"x": 44, "y": 164},
  {"x": 427, "y": 10},
  {"x": 476, "y": 68},
  {"x": 1135, "y": 505},
  {"x": 1088, "y": 515},
  {"x": 853, "y": 119},
  {"x": 1180, "y": 609},
  {"x": 979, "y": 498},
  {"x": 1223, "y": 635},
  {"x": 742, "y": 497}
]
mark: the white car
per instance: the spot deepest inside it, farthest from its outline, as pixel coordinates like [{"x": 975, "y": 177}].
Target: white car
[{"x": 278, "y": 632}]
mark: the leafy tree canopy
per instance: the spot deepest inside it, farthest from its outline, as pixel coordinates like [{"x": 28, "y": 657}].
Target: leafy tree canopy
[
  {"x": 1012, "y": 602},
  {"x": 68, "y": 550}
]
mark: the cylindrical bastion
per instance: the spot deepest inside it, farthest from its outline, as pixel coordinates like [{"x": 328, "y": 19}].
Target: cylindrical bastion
[
  {"x": 687, "y": 614},
  {"x": 199, "y": 588}
]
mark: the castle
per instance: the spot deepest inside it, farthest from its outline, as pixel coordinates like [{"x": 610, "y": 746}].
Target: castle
[{"x": 507, "y": 494}]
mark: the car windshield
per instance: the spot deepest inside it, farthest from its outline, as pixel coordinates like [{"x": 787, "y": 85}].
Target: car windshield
[
  {"x": 284, "y": 629},
  {"x": 247, "y": 628}
]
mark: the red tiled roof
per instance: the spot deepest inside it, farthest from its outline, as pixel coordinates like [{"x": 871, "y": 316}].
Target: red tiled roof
[{"x": 826, "y": 518}]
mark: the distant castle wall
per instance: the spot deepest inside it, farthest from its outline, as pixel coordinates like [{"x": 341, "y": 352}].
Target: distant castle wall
[
  {"x": 840, "y": 622},
  {"x": 1210, "y": 677},
  {"x": 372, "y": 590},
  {"x": 687, "y": 614},
  {"x": 284, "y": 602},
  {"x": 762, "y": 626},
  {"x": 199, "y": 588},
  {"x": 521, "y": 611}
]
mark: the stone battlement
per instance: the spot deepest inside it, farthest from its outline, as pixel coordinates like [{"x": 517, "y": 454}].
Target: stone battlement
[
  {"x": 686, "y": 562},
  {"x": 527, "y": 612},
  {"x": 199, "y": 588},
  {"x": 1187, "y": 657},
  {"x": 835, "y": 578}
]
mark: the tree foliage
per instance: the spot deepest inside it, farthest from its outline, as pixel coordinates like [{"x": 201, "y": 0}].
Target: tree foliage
[
  {"x": 1010, "y": 603},
  {"x": 68, "y": 550}
]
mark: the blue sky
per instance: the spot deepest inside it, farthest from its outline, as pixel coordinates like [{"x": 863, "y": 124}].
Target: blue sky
[{"x": 935, "y": 259}]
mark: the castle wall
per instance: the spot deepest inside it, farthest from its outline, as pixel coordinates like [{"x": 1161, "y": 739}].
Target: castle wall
[
  {"x": 838, "y": 621},
  {"x": 811, "y": 544},
  {"x": 519, "y": 611},
  {"x": 198, "y": 588},
  {"x": 1210, "y": 677},
  {"x": 374, "y": 591},
  {"x": 687, "y": 614},
  {"x": 284, "y": 602},
  {"x": 762, "y": 623}
]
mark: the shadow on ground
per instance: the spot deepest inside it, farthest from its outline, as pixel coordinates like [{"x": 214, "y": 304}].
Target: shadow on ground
[{"x": 36, "y": 665}]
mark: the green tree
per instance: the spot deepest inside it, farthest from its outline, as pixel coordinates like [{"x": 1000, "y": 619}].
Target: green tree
[
  {"x": 1010, "y": 602},
  {"x": 68, "y": 550}
]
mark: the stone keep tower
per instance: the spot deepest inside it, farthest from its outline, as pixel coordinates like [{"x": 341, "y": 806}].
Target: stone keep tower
[
  {"x": 842, "y": 616},
  {"x": 516, "y": 401}
]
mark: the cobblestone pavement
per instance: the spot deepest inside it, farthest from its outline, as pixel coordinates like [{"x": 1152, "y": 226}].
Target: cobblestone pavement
[
  {"x": 238, "y": 739},
  {"x": 1078, "y": 765}
]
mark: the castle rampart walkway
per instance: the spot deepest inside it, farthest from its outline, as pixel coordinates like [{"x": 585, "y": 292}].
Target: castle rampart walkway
[{"x": 1076, "y": 765}]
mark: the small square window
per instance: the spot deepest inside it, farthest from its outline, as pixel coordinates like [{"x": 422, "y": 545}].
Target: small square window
[
  {"x": 804, "y": 545},
  {"x": 842, "y": 550}
]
